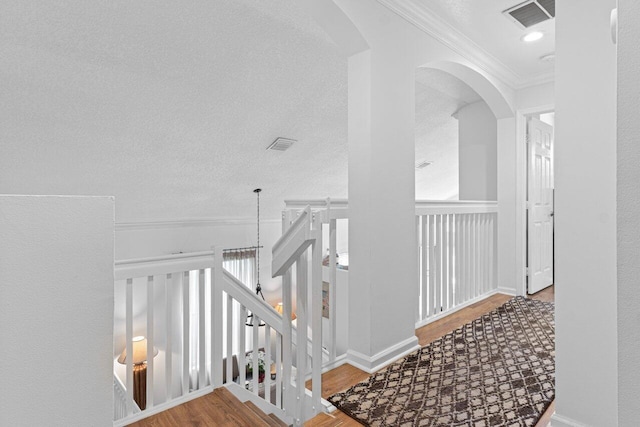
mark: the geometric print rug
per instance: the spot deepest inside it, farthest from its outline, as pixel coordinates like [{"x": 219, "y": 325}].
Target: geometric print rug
[{"x": 497, "y": 370}]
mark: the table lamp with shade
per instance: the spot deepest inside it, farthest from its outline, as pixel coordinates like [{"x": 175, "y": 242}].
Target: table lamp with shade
[
  {"x": 280, "y": 310},
  {"x": 139, "y": 369}
]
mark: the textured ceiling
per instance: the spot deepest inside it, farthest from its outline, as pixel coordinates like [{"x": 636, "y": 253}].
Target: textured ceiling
[{"x": 170, "y": 108}]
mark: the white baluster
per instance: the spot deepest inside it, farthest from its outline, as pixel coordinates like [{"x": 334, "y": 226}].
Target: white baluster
[
  {"x": 279, "y": 385},
  {"x": 333, "y": 312},
  {"x": 150, "y": 341},
  {"x": 432, "y": 265},
  {"x": 202, "y": 346},
  {"x": 216, "y": 319},
  {"x": 168, "y": 360},
  {"x": 450, "y": 246},
  {"x": 267, "y": 367},
  {"x": 254, "y": 354},
  {"x": 185, "y": 332},
  {"x": 316, "y": 315},
  {"x": 242, "y": 364},
  {"x": 129, "y": 344},
  {"x": 426, "y": 310},
  {"x": 229, "y": 363},
  {"x": 301, "y": 333}
]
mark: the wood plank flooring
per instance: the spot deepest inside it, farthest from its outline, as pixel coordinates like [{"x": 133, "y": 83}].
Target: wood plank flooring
[
  {"x": 345, "y": 376},
  {"x": 218, "y": 408}
]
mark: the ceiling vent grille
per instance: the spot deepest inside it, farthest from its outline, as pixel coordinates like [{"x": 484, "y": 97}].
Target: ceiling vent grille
[
  {"x": 423, "y": 164},
  {"x": 281, "y": 144},
  {"x": 531, "y": 12}
]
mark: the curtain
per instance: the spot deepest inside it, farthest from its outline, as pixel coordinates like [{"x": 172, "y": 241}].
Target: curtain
[{"x": 242, "y": 264}]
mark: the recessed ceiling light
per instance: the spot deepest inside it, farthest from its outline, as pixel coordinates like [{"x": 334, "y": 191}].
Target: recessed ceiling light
[{"x": 532, "y": 36}]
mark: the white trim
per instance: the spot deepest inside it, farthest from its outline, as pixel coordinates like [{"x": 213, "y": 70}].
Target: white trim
[
  {"x": 461, "y": 44},
  {"x": 479, "y": 298},
  {"x": 336, "y": 363},
  {"x": 521, "y": 193},
  {"x": 506, "y": 291},
  {"x": 193, "y": 222},
  {"x": 371, "y": 364},
  {"x": 560, "y": 421},
  {"x": 162, "y": 407}
]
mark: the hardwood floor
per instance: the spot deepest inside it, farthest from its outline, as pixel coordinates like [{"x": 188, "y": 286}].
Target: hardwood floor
[
  {"x": 345, "y": 376},
  {"x": 218, "y": 408}
]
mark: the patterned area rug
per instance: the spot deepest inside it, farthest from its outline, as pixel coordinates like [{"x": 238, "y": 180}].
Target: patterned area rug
[{"x": 498, "y": 370}]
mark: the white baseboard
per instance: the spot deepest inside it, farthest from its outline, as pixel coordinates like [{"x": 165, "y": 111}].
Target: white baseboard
[
  {"x": 479, "y": 298},
  {"x": 560, "y": 421},
  {"x": 371, "y": 364},
  {"x": 506, "y": 291},
  {"x": 162, "y": 407},
  {"x": 339, "y": 361}
]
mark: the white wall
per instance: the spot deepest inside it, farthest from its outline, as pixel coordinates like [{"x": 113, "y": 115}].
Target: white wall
[
  {"x": 585, "y": 172},
  {"x": 628, "y": 213},
  {"x": 139, "y": 240},
  {"x": 56, "y": 310},
  {"x": 535, "y": 96},
  {"x": 477, "y": 152}
]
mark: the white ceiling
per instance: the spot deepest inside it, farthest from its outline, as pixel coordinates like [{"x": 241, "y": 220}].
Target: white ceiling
[
  {"x": 490, "y": 37},
  {"x": 170, "y": 108}
]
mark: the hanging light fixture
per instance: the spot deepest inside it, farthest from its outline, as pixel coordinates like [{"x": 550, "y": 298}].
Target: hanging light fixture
[{"x": 258, "y": 287}]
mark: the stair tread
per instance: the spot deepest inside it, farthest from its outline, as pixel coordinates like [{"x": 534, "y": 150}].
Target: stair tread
[
  {"x": 259, "y": 412},
  {"x": 238, "y": 411},
  {"x": 277, "y": 420}
]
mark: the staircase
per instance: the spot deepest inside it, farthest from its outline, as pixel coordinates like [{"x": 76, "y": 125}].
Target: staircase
[
  {"x": 192, "y": 313},
  {"x": 218, "y": 408}
]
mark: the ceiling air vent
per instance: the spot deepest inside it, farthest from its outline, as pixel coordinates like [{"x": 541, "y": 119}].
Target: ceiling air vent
[
  {"x": 422, "y": 164},
  {"x": 531, "y": 12},
  {"x": 281, "y": 144}
]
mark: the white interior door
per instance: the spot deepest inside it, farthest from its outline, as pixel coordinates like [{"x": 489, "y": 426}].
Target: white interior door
[{"x": 540, "y": 205}]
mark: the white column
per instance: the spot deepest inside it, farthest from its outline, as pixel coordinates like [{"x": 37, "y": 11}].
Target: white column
[
  {"x": 383, "y": 271},
  {"x": 628, "y": 213},
  {"x": 507, "y": 207},
  {"x": 477, "y": 152},
  {"x": 585, "y": 178}
]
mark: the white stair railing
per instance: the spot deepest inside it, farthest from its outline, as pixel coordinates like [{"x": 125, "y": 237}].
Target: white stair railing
[
  {"x": 458, "y": 247},
  {"x": 184, "y": 305},
  {"x": 238, "y": 301},
  {"x": 327, "y": 212},
  {"x": 160, "y": 291},
  {"x": 290, "y": 251}
]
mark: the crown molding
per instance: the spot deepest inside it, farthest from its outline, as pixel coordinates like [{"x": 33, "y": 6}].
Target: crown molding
[
  {"x": 461, "y": 44},
  {"x": 193, "y": 222}
]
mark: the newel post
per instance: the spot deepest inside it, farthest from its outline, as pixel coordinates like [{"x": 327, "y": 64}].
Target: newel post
[{"x": 216, "y": 318}]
